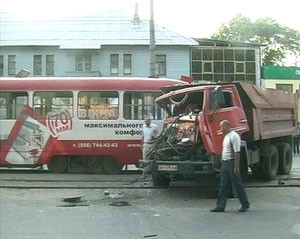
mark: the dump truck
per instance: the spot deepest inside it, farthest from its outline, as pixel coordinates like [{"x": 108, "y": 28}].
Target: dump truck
[{"x": 191, "y": 142}]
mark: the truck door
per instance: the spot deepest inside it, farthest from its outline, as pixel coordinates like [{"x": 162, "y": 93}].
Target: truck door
[{"x": 232, "y": 111}]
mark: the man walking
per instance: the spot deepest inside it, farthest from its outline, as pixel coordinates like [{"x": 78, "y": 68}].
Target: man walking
[
  {"x": 149, "y": 134},
  {"x": 230, "y": 169}
]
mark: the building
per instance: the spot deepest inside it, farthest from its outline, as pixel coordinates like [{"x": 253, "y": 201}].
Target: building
[
  {"x": 282, "y": 78},
  {"x": 225, "y": 61},
  {"x": 90, "y": 46}
]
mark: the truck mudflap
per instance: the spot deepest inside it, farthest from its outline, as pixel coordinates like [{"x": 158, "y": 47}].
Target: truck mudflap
[{"x": 186, "y": 168}]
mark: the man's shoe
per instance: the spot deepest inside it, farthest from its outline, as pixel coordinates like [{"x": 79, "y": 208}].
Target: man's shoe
[
  {"x": 217, "y": 209},
  {"x": 243, "y": 209}
]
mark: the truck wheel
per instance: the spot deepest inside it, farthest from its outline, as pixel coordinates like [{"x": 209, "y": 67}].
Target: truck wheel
[
  {"x": 256, "y": 171},
  {"x": 110, "y": 166},
  {"x": 271, "y": 163},
  {"x": 160, "y": 180},
  {"x": 285, "y": 158},
  {"x": 58, "y": 164}
]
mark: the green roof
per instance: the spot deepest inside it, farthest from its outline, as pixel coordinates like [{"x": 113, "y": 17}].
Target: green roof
[{"x": 278, "y": 72}]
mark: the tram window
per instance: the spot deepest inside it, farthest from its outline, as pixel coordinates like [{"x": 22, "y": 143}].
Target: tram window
[
  {"x": 12, "y": 104},
  {"x": 137, "y": 105},
  {"x": 98, "y": 105},
  {"x": 52, "y": 101}
]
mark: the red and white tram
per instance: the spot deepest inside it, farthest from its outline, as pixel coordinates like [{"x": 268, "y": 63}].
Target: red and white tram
[{"x": 76, "y": 122}]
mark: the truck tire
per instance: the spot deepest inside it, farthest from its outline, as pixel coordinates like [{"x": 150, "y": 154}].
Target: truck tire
[
  {"x": 160, "y": 180},
  {"x": 270, "y": 163},
  {"x": 244, "y": 169},
  {"x": 256, "y": 171},
  {"x": 285, "y": 158}
]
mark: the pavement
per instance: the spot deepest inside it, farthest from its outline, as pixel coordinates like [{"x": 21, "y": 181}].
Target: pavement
[
  {"x": 296, "y": 161},
  {"x": 166, "y": 213}
]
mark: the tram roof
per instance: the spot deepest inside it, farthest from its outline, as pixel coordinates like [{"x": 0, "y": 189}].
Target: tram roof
[{"x": 84, "y": 83}]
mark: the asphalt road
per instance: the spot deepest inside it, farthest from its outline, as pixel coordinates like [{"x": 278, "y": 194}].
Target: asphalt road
[{"x": 152, "y": 213}]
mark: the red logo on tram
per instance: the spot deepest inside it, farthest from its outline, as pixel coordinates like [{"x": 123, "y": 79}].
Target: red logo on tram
[{"x": 59, "y": 122}]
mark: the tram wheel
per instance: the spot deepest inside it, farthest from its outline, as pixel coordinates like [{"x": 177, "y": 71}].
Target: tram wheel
[
  {"x": 58, "y": 164},
  {"x": 110, "y": 165},
  {"x": 95, "y": 165}
]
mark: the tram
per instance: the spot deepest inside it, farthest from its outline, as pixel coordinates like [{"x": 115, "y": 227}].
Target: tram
[{"x": 75, "y": 122}]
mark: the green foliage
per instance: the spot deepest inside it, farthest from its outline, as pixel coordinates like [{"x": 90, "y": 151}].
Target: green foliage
[{"x": 278, "y": 41}]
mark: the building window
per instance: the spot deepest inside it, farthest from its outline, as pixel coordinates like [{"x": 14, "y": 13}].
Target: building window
[
  {"x": 197, "y": 66},
  {"x": 285, "y": 87},
  {"x": 207, "y": 67},
  {"x": 239, "y": 67},
  {"x": 250, "y": 67},
  {"x": 250, "y": 55},
  {"x": 114, "y": 64},
  {"x": 160, "y": 65},
  {"x": 50, "y": 65},
  {"x": 207, "y": 54},
  {"x": 1, "y": 65},
  {"x": 97, "y": 105},
  {"x": 197, "y": 55},
  {"x": 83, "y": 62},
  {"x": 37, "y": 65},
  {"x": 11, "y": 65},
  {"x": 228, "y": 55},
  {"x": 224, "y": 65},
  {"x": 239, "y": 55},
  {"x": 127, "y": 64}
]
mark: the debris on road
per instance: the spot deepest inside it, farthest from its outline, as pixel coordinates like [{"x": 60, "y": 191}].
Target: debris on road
[
  {"x": 148, "y": 236},
  {"x": 120, "y": 203},
  {"x": 73, "y": 199}
]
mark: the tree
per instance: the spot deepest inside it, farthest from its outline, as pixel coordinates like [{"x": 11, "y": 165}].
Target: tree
[{"x": 278, "y": 41}]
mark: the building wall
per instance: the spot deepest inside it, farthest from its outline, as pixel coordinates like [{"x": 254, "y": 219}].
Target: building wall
[
  {"x": 271, "y": 83},
  {"x": 283, "y": 78},
  {"x": 275, "y": 76},
  {"x": 177, "y": 60}
]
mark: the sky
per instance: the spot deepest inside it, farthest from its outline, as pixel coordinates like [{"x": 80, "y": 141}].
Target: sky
[{"x": 191, "y": 18}]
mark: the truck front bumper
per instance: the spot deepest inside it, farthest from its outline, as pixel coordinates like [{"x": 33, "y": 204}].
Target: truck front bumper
[{"x": 187, "y": 168}]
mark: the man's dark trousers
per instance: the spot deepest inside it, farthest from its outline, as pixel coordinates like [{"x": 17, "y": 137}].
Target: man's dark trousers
[{"x": 227, "y": 178}]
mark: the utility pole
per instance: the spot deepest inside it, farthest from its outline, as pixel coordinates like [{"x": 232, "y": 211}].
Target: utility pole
[{"x": 152, "y": 40}]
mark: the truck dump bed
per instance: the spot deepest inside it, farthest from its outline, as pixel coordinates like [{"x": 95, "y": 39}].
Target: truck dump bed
[{"x": 270, "y": 113}]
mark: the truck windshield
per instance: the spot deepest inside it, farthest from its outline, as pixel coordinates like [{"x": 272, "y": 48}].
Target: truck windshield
[{"x": 184, "y": 103}]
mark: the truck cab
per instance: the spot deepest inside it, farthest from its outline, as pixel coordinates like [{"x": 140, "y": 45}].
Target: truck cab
[{"x": 191, "y": 143}]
